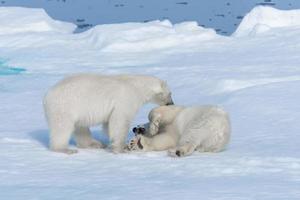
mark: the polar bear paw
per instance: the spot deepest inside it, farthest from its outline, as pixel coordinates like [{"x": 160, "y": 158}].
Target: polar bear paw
[
  {"x": 182, "y": 151},
  {"x": 93, "y": 144},
  {"x": 176, "y": 152},
  {"x": 66, "y": 151},
  {"x": 135, "y": 144},
  {"x": 96, "y": 145}
]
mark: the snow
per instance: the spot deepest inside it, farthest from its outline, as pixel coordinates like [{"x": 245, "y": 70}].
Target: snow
[
  {"x": 263, "y": 18},
  {"x": 137, "y": 37},
  {"x": 19, "y": 20},
  {"x": 256, "y": 78}
]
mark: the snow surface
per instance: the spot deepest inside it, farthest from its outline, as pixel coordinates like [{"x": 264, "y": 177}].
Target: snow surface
[
  {"x": 262, "y": 18},
  {"x": 19, "y": 20},
  {"x": 255, "y": 78}
]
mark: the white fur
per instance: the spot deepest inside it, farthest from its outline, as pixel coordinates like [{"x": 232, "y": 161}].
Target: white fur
[
  {"x": 183, "y": 130},
  {"x": 84, "y": 100}
]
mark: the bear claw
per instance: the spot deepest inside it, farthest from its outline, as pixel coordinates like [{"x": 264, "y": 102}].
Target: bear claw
[
  {"x": 178, "y": 153},
  {"x": 135, "y": 144}
]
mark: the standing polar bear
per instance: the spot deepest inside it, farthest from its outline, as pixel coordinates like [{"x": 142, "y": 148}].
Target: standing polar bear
[
  {"x": 84, "y": 100},
  {"x": 183, "y": 130}
]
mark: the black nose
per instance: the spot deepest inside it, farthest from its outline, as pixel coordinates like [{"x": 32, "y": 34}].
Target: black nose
[
  {"x": 134, "y": 129},
  {"x": 170, "y": 103}
]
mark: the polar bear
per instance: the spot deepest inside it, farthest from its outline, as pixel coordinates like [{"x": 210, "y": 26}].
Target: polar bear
[
  {"x": 80, "y": 101},
  {"x": 183, "y": 130}
]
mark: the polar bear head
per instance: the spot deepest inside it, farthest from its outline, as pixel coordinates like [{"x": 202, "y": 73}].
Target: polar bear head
[
  {"x": 162, "y": 116},
  {"x": 161, "y": 93},
  {"x": 150, "y": 89},
  {"x": 159, "y": 118}
]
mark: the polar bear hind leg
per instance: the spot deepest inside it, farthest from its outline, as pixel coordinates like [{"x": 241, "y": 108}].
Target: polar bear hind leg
[
  {"x": 185, "y": 149},
  {"x": 84, "y": 139},
  {"x": 189, "y": 141}
]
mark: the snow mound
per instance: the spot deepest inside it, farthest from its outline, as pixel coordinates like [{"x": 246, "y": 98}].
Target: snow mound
[
  {"x": 146, "y": 36},
  {"x": 231, "y": 85},
  {"x": 19, "y": 20},
  {"x": 262, "y": 18}
]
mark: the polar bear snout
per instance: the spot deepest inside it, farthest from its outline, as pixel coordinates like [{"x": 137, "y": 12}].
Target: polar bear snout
[
  {"x": 134, "y": 129},
  {"x": 163, "y": 96},
  {"x": 168, "y": 99},
  {"x": 139, "y": 130},
  {"x": 170, "y": 102}
]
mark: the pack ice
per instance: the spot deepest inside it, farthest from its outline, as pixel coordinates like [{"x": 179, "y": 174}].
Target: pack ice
[{"x": 254, "y": 74}]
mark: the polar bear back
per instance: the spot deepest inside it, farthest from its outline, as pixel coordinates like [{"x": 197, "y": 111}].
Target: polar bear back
[
  {"x": 208, "y": 125},
  {"x": 82, "y": 97}
]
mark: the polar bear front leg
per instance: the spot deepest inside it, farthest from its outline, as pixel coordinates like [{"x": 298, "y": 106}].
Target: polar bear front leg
[
  {"x": 84, "y": 139},
  {"x": 154, "y": 126},
  {"x": 60, "y": 134},
  {"x": 118, "y": 127},
  {"x": 160, "y": 142},
  {"x": 139, "y": 142}
]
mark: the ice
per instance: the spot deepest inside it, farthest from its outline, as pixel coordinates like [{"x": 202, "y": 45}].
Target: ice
[
  {"x": 264, "y": 18},
  {"x": 137, "y": 37},
  {"x": 256, "y": 78},
  {"x": 14, "y": 20}
]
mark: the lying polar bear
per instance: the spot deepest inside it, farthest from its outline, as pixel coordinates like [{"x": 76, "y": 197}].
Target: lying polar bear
[
  {"x": 183, "y": 130},
  {"x": 81, "y": 101}
]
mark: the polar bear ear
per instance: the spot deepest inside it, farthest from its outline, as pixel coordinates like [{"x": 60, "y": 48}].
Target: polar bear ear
[
  {"x": 164, "y": 85},
  {"x": 159, "y": 87}
]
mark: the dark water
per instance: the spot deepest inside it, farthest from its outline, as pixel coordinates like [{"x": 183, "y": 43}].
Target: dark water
[
  {"x": 222, "y": 15},
  {"x": 8, "y": 70}
]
